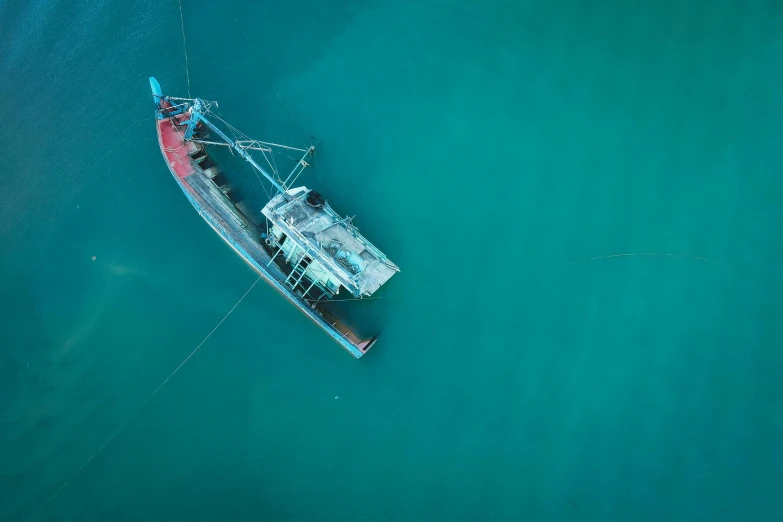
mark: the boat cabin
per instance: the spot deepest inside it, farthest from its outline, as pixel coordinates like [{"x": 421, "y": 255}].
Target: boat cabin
[{"x": 326, "y": 252}]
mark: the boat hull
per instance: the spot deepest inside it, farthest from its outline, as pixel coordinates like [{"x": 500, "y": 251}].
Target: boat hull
[{"x": 237, "y": 231}]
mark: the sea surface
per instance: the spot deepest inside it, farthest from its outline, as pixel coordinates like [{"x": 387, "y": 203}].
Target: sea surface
[{"x": 585, "y": 202}]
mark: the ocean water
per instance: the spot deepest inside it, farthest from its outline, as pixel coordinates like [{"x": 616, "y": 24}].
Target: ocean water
[{"x": 497, "y": 151}]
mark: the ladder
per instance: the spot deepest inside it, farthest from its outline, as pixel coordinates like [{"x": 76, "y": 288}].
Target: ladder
[{"x": 297, "y": 274}]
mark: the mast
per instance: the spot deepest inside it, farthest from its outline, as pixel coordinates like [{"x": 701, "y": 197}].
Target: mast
[
  {"x": 198, "y": 110},
  {"x": 196, "y": 115}
]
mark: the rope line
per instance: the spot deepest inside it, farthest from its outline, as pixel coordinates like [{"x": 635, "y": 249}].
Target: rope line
[
  {"x": 317, "y": 171},
  {"x": 148, "y": 399},
  {"x": 184, "y": 46},
  {"x": 654, "y": 254}
]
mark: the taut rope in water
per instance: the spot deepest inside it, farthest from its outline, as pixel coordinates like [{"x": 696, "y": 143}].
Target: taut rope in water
[
  {"x": 184, "y": 47},
  {"x": 148, "y": 399}
]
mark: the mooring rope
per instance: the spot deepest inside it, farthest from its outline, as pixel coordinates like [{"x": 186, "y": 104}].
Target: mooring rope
[
  {"x": 148, "y": 399},
  {"x": 184, "y": 46}
]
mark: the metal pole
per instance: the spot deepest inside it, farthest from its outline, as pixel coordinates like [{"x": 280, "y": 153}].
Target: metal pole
[
  {"x": 279, "y": 249},
  {"x": 301, "y": 163},
  {"x": 200, "y": 117}
]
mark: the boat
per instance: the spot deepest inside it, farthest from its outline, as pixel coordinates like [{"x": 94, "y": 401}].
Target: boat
[{"x": 302, "y": 248}]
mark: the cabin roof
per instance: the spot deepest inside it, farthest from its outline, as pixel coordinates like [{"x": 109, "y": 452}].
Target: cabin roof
[{"x": 350, "y": 256}]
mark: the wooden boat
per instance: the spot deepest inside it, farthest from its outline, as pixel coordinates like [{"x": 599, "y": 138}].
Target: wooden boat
[{"x": 305, "y": 250}]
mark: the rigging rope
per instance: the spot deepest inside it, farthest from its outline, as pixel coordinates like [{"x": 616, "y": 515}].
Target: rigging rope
[
  {"x": 239, "y": 134},
  {"x": 317, "y": 171},
  {"x": 184, "y": 47},
  {"x": 236, "y": 132},
  {"x": 132, "y": 415}
]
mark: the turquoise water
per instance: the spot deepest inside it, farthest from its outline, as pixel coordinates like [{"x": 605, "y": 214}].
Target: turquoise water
[{"x": 486, "y": 148}]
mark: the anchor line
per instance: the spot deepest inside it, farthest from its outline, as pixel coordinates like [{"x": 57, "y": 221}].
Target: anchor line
[
  {"x": 184, "y": 46},
  {"x": 147, "y": 400}
]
